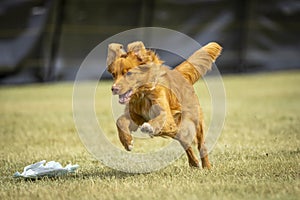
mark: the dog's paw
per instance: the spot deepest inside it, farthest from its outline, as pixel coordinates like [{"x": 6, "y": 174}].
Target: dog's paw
[
  {"x": 130, "y": 146},
  {"x": 147, "y": 128}
]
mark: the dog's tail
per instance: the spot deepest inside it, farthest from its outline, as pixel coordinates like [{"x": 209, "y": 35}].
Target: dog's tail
[{"x": 199, "y": 62}]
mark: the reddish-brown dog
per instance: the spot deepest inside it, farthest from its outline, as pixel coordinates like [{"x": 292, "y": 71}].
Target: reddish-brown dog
[{"x": 162, "y": 102}]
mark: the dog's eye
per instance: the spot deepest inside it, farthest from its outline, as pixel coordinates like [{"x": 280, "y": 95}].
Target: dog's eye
[
  {"x": 128, "y": 73},
  {"x": 113, "y": 75}
]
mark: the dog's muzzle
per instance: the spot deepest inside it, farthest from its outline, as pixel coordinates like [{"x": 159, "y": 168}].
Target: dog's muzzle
[
  {"x": 115, "y": 89},
  {"x": 124, "y": 98}
]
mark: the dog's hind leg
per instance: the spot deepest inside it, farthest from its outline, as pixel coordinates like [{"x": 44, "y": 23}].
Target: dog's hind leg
[
  {"x": 186, "y": 136},
  {"x": 201, "y": 146},
  {"x": 125, "y": 126},
  {"x": 193, "y": 161}
]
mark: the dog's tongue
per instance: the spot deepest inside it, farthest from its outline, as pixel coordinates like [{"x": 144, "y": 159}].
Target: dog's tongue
[{"x": 124, "y": 98}]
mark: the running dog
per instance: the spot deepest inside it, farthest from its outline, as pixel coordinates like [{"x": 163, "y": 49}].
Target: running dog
[{"x": 161, "y": 101}]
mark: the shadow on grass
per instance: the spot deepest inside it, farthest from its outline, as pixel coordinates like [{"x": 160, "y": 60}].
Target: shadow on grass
[{"x": 105, "y": 174}]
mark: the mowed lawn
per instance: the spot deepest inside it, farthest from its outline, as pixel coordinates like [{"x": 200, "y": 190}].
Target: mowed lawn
[{"x": 257, "y": 156}]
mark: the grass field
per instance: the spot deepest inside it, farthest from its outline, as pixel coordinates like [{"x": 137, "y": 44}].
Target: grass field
[{"x": 256, "y": 157}]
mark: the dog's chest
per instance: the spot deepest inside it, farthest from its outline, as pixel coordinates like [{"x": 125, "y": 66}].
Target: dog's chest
[{"x": 142, "y": 106}]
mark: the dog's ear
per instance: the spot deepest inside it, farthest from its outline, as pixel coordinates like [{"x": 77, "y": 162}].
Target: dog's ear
[
  {"x": 137, "y": 47},
  {"x": 114, "y": 51}
]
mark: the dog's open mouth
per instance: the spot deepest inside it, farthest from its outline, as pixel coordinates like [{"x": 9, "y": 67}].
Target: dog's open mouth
[{"x": 124, "y": 98}]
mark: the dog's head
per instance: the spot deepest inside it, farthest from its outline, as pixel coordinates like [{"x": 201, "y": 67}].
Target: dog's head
[
  {"x": 140, "y": 78},
  {"x": 119, "y": 61}
]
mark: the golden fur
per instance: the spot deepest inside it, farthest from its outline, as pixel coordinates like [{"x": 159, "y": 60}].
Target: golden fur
[{"x": 159, "y": 100}]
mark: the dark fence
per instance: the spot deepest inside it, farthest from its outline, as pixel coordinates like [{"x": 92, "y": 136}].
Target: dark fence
[{"x": 46, "y": 40}]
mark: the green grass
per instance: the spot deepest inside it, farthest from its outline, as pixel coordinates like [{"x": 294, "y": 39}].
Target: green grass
[{"x": 256, "y": 157}]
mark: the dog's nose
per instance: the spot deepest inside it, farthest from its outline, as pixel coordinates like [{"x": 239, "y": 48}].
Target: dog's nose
[{"x": 115, "y": 89}]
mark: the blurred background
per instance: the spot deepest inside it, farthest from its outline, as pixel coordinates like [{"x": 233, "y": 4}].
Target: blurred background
[{"x": 46, "y": 40}]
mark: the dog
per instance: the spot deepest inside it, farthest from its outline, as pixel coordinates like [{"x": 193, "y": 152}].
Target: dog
[{"x": 161, "y": 101}]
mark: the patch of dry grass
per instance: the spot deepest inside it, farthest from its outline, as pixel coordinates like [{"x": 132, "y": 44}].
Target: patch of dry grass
[{"x": 256, "y": 157}]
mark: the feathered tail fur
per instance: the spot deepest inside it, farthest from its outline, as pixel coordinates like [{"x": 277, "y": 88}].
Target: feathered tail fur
[{"x": 199, "y": 62}]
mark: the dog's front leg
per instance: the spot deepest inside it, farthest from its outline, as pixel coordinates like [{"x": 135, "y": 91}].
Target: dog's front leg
[
  {"x": 161, "y": 122},
  {"x": 125, "y": 126}
]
